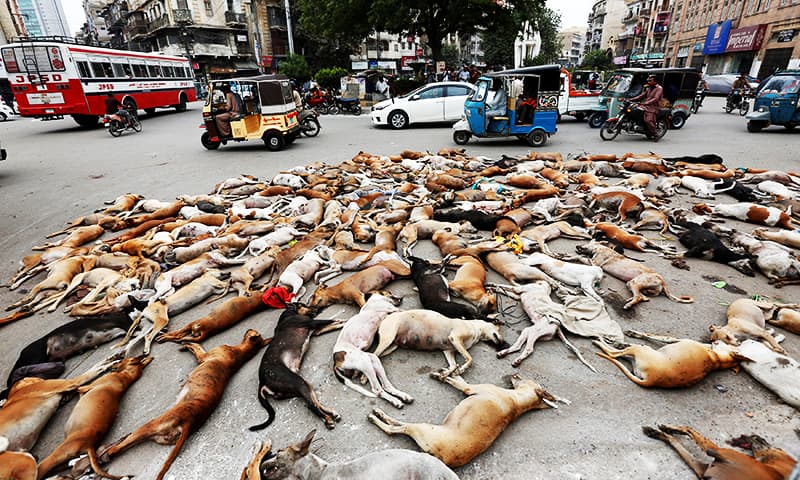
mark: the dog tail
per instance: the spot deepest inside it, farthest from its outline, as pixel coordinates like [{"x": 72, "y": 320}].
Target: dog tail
[{"x": 264, "y": 401}]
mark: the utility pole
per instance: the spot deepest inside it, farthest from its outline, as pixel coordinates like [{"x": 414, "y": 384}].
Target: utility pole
[{"x": 289, "y": 26}]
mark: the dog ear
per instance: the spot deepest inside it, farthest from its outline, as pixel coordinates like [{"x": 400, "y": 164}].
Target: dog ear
[
  {"x": 712, "y": 328},
  {"x": 301, "y": 448}
]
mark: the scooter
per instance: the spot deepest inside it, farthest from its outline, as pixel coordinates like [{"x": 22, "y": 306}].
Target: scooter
[
  {"x": 309, "y": 122},
  {"x": 738, "y": 99},
  {"x": 351, "y": 105},
  {"x": 631, "y": 121},
  {"x": 116, "y": 125}
]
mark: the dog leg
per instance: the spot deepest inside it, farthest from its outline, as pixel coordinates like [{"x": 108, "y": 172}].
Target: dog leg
[
  {"x": 699, "y": 468},
  {"x": 574, "y": 350},
  {"x": 652, "y": 337},
  {"x": 197, "y": 350},
  {"x": 452, "y": 364},
  {"x": 612, "y": 354},
  {"x": 387, "y": 385},
  {"x": 460, "y": 348},
  {"x": 517, "y": 346},
  {"x": 637, "y": 298},
  {"x": 329, "y": 416},
  {"x": 681, "y": 299}
]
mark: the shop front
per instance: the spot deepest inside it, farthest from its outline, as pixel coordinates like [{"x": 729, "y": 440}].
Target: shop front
[
  {"x": 780, "y": 49},
  {"x": 743, "y": 44}
]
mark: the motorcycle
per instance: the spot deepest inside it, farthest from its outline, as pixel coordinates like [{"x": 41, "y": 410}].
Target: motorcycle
[
  {"x": 631, "y": 121},
  {"x": 738, "y": 99},
  {"x": 699, "y": 95},
  {"x": 116, "y": 125},
  {"x": 321, "y": 103},
  {"x": 351, "y": 105},
  {"x": 309, "y": 123}
]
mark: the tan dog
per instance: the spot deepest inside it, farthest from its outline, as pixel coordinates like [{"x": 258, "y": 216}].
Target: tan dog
[
  {"x": 745, "y": 320},
  {"x": 790, "y": 238},
  {"x": 639, "y": 278},
  {"x": 352, "y": 289},
  {"x": 507, "y": 264},
  {"x": 786, "y": 318},
  {"x": 451, "y": 244},
  {"x": 59, "y": 276},
  {"x": 16, "y": 465},
  {"x": 198, "y": 399},
  {"x": 32, "y": 401},
  {"x": 223, "y": 316},
  {"x": 93, "y": 415},
  {"x": 628, "y": 240},
  {"x": 475, "y": 423},
  {"x": 544, "y": 233},
  {"x": 76, "y": 238},
  {"x": 623, "y": 202},
  {"x": 429, "y": 330},
  {"x": 424, "y": 229},
  {"x": 767, "y": 462},
  {"x": 675, "y": 365},
  {"x": 470, "y": 283}
]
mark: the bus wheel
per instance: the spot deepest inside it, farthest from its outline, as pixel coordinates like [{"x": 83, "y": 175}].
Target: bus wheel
[
  {"x": 86, "y": 121},
  {"x": 181, "y": 106},
  {"x": 205, "y": 139},
  {"x": 274, "y": 141}
]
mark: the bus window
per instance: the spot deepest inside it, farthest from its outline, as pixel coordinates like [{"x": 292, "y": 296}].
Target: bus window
[
  {"x": 83, "y": 69},
  {"x": 101, "y": 69},
  {"x": 154, "y": 70},
  {"x": 139, "y": 70},
  {"x": 119, "y": 70},
  {"x": 167, "y": 71}
]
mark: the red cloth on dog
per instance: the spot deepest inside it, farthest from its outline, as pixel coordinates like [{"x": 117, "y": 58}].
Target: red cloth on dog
[{"x": 277, "y": 297}]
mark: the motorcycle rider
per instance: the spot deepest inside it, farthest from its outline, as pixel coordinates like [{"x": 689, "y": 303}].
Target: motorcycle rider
[
  {"x": 735, "y": 95},
  {"x": 115, "y": 107},
  {"x": 650, "y": 106}
]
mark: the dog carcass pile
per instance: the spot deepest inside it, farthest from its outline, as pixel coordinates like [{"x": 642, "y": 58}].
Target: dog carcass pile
[{"x": 129, "y": 269}]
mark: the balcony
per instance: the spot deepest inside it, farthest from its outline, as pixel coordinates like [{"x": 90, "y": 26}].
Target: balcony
[
  {"x": 644, "y": 13},
  {"x": 182, "y": 16},
  {"x": 158, "y": 23},
  {"x": 235, "y": 19},
  {"x": 137, "y": 29},
  {"x": 116, "y": 15}
]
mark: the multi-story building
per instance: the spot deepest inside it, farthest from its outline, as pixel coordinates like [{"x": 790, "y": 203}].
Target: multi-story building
[
  {"x": 643, "y": 38},
  {"x": 734, "y": 36},
  {"x": 527, "y": 45},
  {"x": 269, "y": 29},
  {"x": 213, "y": 34},
  {"x": 11, "y": 24},
  {"x": 392, "y": 53},
  {"x": 43, "y": 17},
  {"x": 605, "y": 25},
  {"x": 572, "y": 40}
]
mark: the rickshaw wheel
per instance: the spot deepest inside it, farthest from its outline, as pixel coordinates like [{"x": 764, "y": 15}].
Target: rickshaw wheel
[
  {"x": 205, "y": 139},
  {"x": 537, "y": 138},
  {"x": 274, "y": 141},
  {"x": 609, "y": 130},
  {"x": 461, "y": 137},
  {"x": 678, "y": 121},
  {"x": 596, "y": 119},
  {"x": 754, "y": 127},
  {"x": 790, "y": 126}
]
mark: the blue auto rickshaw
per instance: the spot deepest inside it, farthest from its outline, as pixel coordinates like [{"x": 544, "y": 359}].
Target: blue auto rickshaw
[
  {"x": 776, "y": 102},
  {"x": 522, "y": 102}
]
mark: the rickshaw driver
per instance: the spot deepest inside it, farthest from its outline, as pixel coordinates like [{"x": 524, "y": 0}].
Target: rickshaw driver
[
  {"x": 232, "y": 110},
  {"x": 652, "y": 94},
  {"x": 736, "y": 88}
]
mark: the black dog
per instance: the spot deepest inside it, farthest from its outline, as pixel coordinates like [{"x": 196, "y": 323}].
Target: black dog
[
  {"x": 703, "y": 243},
  {"x": 278, "y": 375},
  {"x": 480, "y": 220},
  {"x": 433, "y": 292},
  {"x": 736, "y": 190},
  {"x": 707, "y": 159},
  {"x": 44, "y": 358}
]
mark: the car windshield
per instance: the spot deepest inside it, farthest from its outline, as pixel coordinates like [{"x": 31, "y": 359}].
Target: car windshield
[
  {"x": 782, "y": 84},
  {"x": 619, "y": 83}
]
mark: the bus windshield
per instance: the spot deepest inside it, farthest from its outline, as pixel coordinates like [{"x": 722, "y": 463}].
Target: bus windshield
[{"x": 33, "y": 59}]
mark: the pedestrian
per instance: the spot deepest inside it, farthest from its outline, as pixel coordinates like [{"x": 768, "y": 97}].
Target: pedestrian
[
  {"x": 474, "y": 74},
  {"x": 464, "y": 74},
  {"x": 652, "y": 95},
  {"x": 382, "y": 88}
]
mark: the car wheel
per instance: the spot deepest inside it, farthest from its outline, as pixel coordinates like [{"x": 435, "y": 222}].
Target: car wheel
[
  {"x": 86, "y": 121},
  {"x": 205, "y": 139},
  {"x": 181, "y": 106},
  {"x": 580, "y": 116},
  {"x": 3, "y": 117},
  {"x": 790, "y": 126},
  {"x": 596, "y": 119},
  {"x": 536, "y": 138},
  {"x": 398, "y": 120},
  {"x": 274, "y": 141},
  {"x": 609, "y": 130},
  {"x": 461, "y": 137},
  {"x": 678, "y": 121}
]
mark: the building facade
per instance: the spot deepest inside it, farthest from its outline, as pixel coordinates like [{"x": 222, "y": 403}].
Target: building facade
[
  {"x": 605, "y": 25},
  {"x": 643, "y": 39},
  {"x": 755, "y": 37},
  {"x": 43, "y": 17},
  {"x": 572, "y": 41}
]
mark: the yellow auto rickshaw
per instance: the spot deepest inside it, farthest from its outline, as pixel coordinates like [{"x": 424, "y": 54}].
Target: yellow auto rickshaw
[{"x": 266, "y": 112}]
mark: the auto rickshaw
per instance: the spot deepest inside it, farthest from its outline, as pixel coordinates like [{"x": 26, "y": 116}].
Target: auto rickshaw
[
  {"x": 522, "y": 102},
  {"x": 266, "y": 112},
  {"x": 776, "y": 102},
  {"x": 679, "y": 86}
]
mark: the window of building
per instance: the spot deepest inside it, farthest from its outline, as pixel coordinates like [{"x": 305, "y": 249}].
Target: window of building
[{"x": 209, "y": 7}]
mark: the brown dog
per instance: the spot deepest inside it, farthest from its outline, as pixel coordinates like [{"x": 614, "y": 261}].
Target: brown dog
[
  {"x": 352, "y": 289},
  {"x": 470, "y": 283},
  {"x": 474, "y": 424},
  {"x": 628, "y": 240},
  {"x": 639, "y": 278},
  {"x": 16, "y": 465},
  {"x": 623, "y": 202},
  {"x": 94, "y": 414},
  {"x": 675, "y": 365},
  {"x": 198, "y": 399},
  {"x": 745, "y": 320},
  {"x": 223, "y": 316},
  {"x": 767, "y": 463}
]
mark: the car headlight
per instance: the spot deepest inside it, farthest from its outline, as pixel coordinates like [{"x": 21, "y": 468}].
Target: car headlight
[{"x": 378, "y": 107}]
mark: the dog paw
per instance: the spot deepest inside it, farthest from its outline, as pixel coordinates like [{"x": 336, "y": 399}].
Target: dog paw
[{"x": 440, "y": 375}]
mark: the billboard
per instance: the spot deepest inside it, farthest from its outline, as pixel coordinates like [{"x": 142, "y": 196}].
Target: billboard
[
  {"x": 717, "y": 38},
  {"x": 662, "y": 22},
  {"x": 746, "y": 39}
]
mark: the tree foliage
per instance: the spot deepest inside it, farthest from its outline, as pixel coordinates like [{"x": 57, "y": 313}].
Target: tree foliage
[
  {"x": 598, "y": 60},
  {"x": 295, "y": 66},
  {"x": 330, "y": 77}
]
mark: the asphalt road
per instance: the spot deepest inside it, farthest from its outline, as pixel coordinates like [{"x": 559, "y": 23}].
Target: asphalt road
[{"x": 56, "y": 172}]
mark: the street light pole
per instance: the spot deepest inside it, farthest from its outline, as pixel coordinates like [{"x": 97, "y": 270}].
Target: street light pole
[{"x": 289, "y": 26}]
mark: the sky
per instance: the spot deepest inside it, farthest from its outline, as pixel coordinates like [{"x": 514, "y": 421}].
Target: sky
[{"x": 573, "y": 12}]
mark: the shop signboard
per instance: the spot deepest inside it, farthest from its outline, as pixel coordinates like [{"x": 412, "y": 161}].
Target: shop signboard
[
  {"x": 405, "y": 60},
  {"x": 746, "y": 39},
  {"x": 621, "y": 60},
  {"x": 717, "y": 38},
  {"x": 359, "y": 66},
  {"x": 683, "y": 52},
  {"x": 785, "y": 36},
  {"x": 387, "y": 64}
]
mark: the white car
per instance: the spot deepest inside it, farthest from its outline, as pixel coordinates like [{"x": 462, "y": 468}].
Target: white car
[
  {"x": 434, "y": 102},
  {"x": 6, "y": 112}
]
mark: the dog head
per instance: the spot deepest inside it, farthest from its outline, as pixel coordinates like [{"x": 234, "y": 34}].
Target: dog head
[
  {"x": 283, "y": 463},
  {"x": 702, "y": 208},
  {"x": 490, "y": 332},
  {"x": 723, "y": 334},
  {"x": 540, "y": 398}
]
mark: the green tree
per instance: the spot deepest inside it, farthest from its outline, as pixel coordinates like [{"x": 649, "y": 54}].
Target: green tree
[
  {"x": 295, "y": 66},
  {"x": 598, "y": 60},
  {"x": 498, "y": 46},
  {"x": 330, "y": 77},
  {"x": 450, "y": 56}
]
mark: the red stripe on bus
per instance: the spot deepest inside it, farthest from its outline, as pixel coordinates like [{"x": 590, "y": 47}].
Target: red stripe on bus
[{"x": 126, "y": 54}]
